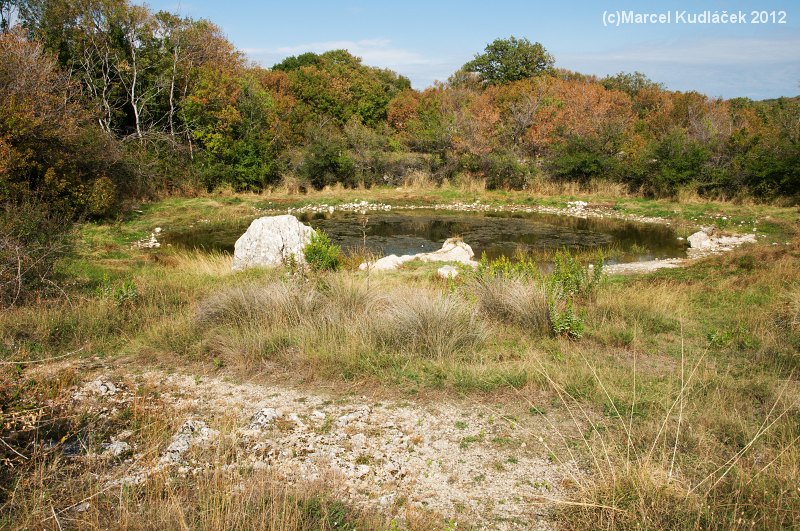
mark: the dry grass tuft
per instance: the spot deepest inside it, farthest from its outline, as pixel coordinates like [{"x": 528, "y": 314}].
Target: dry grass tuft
[
  {"x": 429, "y": 324},
  {"x": 341, "y": 319},
  {"x": 513, "y": 300},
  {"x": 269, "y": 304},
  {"x": 792, "y": 309},
  {"x": 418, "y": 180},
  {"x": 204, "y": 263}
]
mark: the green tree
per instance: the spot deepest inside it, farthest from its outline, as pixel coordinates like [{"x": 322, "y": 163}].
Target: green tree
[
  {"x": 298, "y": 61},
  {"x": 512, "y": 59},
  {"x": 327, "y": 160},
  {"x": 630, "y": 83}
]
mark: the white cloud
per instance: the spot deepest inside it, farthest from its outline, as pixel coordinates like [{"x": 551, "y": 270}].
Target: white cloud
[
  {"x": 728, "y": 67},
  {"x": 375, "y": 52}
]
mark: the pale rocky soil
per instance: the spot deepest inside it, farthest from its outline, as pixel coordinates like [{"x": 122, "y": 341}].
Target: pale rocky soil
[{"x": 476, "y": 464}]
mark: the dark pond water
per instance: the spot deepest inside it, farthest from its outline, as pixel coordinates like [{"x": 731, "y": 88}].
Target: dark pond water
[{"x": 496, "y": 234}]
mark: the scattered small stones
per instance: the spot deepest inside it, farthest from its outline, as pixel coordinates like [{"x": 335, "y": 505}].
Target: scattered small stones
[
  {"x": 647, "y": 266},
  {"x": 580, "y": 209},
  {"x": 576, "y": 207},
  {"x": 361, "y": 207},
  {"x": 706, "y": 241},
  {"x": 116, "y": 448},
  {"x": 96, "y": 387},
  {"x": 150, "y": 242},
  {"x": 191, "y": 433},
  {"x": 379, "y": 453},
  {"x": 263, "y": 418}
]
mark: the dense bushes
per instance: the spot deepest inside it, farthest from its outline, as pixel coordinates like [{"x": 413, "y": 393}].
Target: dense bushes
[
  {"x": 321, "y": 253},
  {"x": 32, "y": 239},
  {"x": 327, "y": 162},
  {"x": 194, "y": 114}
]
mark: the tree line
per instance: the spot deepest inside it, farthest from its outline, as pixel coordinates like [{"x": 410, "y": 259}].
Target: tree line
[{"x": 105, "y": 101}]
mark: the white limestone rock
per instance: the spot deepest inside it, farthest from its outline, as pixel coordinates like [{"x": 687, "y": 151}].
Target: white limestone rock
[
  {"x": 192, "y": 432},
  {"x": 387, "y": 263},
  {"x": 700, "y": 240},
  {"x": 116, "y": 448},
  {"x": 271, "y": 241},
  {"x": 447, "y": 271},
  {"x": 453, "y": 250}
]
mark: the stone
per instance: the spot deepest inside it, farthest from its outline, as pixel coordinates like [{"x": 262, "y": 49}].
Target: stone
[
  {"x": 358, "y": 441},
  {"x": 700, "y": 240},
  {"x": 730, "y": 242},
  {"x": 263, "y": 418},
  {"x": 116, "y": 448},
  {"x": 702, "y": 243},
  {"x": 192, "y": 432},
  {"x": 447, "y": 271},
  {"x": 387, "y": 263},
  {"x": 453, "y": 250},
  {"x": 102, "y": 388},
  {"x": 271, "y": 241},
  {"x": 148, "y": 243}
]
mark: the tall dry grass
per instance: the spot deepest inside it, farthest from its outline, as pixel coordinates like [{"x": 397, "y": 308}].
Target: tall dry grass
[
  {"x": 523, "y": 302},
  {"x": 700, "y": 404},
  {"x": 431, "y": 325},
  {"x": 338, "y": 318},
  {"x": 600, "y": 187}
]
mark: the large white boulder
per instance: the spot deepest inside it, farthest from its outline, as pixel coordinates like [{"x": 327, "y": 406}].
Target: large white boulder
[{"x": 271, "y": 241}]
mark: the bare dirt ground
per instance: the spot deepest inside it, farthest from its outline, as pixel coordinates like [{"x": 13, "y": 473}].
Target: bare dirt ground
[{"x": 474, "y": 464}]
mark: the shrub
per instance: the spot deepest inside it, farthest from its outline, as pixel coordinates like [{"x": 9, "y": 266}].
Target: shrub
[
  {"x": 581, "y": 159},
  {"x": 328, "y": 162},
  {"x": 505, "y": 171},
  {"x": 570, "y": 277},
  {"x": 567, "y": 322},
  {"x": 32, "y": 240},
  {"x": 321, "y": 253}
]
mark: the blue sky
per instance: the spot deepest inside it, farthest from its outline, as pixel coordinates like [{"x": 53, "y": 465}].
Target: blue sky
[{"x": 429, "y": 40}]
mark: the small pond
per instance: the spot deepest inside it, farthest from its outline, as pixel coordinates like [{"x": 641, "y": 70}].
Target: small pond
[{"x": 497, "y": 234}]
